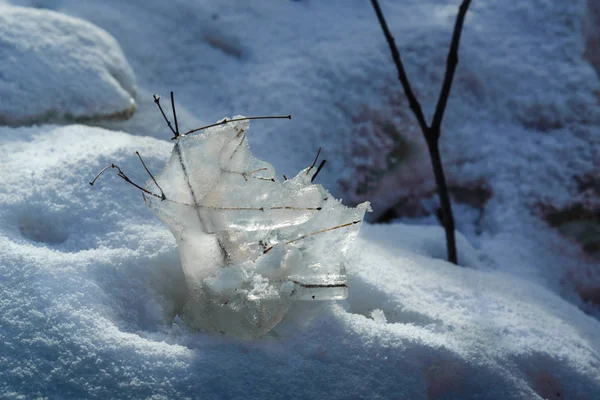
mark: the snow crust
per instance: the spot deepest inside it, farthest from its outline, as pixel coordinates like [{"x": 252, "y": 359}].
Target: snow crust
[
  {"x": 88, "y": 301},
  {"x": 58, "y": 68}
]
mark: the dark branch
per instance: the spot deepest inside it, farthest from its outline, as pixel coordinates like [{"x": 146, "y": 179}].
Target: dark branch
[
  {"x": 162, "y": 194},
  {"x": 226, "y": 121},
  {"x": 174, "y": 115},
  {"x": 451, "y": 63},
  {"x": 318, "y": 170},
  {"x": 157, "y": 101},
  {"x": 432, "y": 133},
  {"x": 414, "y": 104},
  {"x": 314, "y": 162},
  {"x": 122, "y": 175}
]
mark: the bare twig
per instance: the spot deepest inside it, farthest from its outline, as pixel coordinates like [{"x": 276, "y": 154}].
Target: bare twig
[
  {"x": 162, "y": 194},
  {"x": 122, "y": 175},
  {"x": 262, "y": 209},
  {"x": 314, "y": 233},
  {"x": 101, "y": 172},
  {"x": 174, "y": 115},
  {"x": 314, "y": 162},
  {"x": 318, "y": 170},
  {"x": 157, "y": 101},
  {"x": 226, "y": 121},
  {"x": 414, "y": 104},
  {"x": 250, "y": 174},
  {"x": 451, "y": 63},
  {"x": 432, "y": 133},
  {"x": 323, "y": 231},
  {"x": 226, "y": 208}
]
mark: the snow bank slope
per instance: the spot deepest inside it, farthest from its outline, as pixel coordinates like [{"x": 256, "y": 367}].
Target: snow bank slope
[
  {"x": 91, "y": 283},
  {"x": 56, "y": 68}
]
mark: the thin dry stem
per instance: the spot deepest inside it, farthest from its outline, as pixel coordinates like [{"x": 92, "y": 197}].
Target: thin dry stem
[
  {"x": 122, "y": 175},
  {"x": 318, "y": 170},
  {"x": 174, "y": 115},
  {"x": 314, "y": 162},
  {"x": 157, "y": 101},
  {"x": 314, "y": 233},
  {"x": 151, "y": 176},
  {"x": 226, "y": 121}
]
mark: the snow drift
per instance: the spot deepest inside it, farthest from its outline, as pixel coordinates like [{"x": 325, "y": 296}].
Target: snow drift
[
  {"x": 57, "y": 68},
  {"x": 88, "y": 303}
]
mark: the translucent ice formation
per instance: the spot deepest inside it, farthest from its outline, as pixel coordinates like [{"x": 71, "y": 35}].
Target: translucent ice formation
[{"x": 249, "y": 243}]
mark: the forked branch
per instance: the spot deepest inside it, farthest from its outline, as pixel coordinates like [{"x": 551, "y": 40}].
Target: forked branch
[
  {"x": 157, "y": 101},
  {"x": 122, "y": 175},
  {"x": 175, "y": 130},
  {"x": 432, "y": 132},
  {"x": 176, "y": 135}
]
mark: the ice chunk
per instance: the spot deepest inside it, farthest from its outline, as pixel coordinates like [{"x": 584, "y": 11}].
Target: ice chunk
[{"x": 249, "y": 243}]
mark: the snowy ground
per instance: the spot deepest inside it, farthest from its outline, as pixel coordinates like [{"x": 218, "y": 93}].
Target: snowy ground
[{"x": 90, "y": 280}]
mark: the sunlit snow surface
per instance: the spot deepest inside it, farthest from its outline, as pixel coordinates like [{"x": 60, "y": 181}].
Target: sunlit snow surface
[
  {"x": 91, "y": 282},
  {"x": 249, "y": 243},
  {"x": 91, "y": 285}
]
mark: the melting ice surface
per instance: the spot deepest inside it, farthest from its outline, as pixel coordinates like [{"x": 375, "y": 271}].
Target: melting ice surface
[{"x": 249, "y": 243}]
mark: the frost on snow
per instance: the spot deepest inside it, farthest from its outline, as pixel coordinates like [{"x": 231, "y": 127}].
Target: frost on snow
[{"x": 249, "y": 243}]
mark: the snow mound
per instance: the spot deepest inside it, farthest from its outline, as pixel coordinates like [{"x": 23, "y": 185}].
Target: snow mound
[
  {"x": 57, "y": 68},
  {"x": 91, "y": 286}
]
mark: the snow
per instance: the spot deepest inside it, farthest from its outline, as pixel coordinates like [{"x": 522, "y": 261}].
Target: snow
[
  {"x": 58, "y": 68},
  {"x": 89, "y": 300},
  {"x": 92, "y": 287}
]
